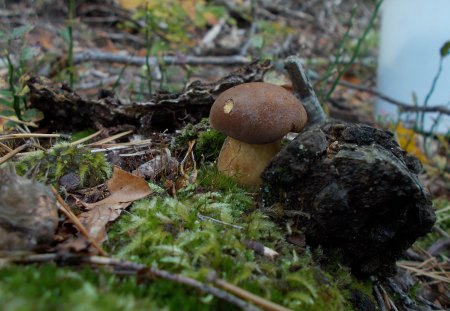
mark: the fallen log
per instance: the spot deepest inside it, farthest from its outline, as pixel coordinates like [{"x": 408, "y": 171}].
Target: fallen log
[{"x": 65, "y": 110}]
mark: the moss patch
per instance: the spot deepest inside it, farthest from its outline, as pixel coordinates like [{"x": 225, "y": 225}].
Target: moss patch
[
  {"x": 203, "y": 231},
  {"x": 63, "y": 158},
  {"x": 208, "y": 141}
]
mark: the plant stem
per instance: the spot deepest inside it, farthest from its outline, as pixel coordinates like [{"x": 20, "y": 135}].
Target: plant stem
[
  {"x": 337, "y": 57},
  {"x": 12, "y": 88},
  {"x": 70, "y": 52},
  {"x": 148, "y": 45},
  {"x": 356, "y": 49}
]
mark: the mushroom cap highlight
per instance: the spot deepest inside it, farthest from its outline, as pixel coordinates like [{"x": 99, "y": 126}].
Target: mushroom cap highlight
[{"x": 257, "y": 113}]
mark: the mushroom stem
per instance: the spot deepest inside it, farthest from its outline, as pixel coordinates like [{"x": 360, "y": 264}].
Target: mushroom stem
[{"x": 245, "y": 162}]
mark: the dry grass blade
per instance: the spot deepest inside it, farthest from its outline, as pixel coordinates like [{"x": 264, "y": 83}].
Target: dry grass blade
[
  {"x": 12, "y": 153},
  {"x": 242, "y": 293},
  {"x": 30, "y": 135},
  {"x": 432, "y": 269},
  {"x": 109, "y": 147},
  {"x": 5, "y": 147},
  {"x": 66, "y": 210},
  {"x": 114, "y": 137},
  {"x": 15, "y": 120},
  {"x": 87, "y": 138}
]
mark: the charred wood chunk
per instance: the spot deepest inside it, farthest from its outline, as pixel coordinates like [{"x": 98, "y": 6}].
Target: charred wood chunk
[{"x": 350, "y": 187}]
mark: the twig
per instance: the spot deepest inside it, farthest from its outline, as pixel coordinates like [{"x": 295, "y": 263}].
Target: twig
[
  {"x": 68, "y": 212},
  {"x": 304, "y": 90},
  {"x": 204, "y": 217},
  {"x": 15, "y": 120},
  {"x": 439, "y": 246},
  {"x": 108, "y": 139},
  {"x": 12, "y": 153},
  {"x": 31, "y": 135},
  {"x": 403, "y": 106},
  {"x": 87, "y": 138},
  {"x": 94, "y": 55},
  {"x": 5, "y": 147},
  {"x": 379, "y": 298},
  {"x": 122, "y": 265},
  {"x": 235, "y": 290},
  {"x": 408, "y": 302}
]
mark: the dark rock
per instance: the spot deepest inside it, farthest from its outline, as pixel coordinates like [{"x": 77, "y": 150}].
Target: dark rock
[
  {"x": 349, "y": 187},
  {"x": 28, "y": 213},
  {"x": 70, "y": 181}
]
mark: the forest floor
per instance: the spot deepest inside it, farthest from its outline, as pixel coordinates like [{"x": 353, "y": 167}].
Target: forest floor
[{"x": 187, "y": 237}]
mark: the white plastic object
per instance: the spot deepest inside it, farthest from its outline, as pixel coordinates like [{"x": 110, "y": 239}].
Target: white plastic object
[{"x": 412, "y": 33}]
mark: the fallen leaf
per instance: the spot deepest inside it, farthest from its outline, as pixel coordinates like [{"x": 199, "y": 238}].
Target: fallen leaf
[
  {"x": 409, "y": 141},
  {"x": 125, "y": 188}
]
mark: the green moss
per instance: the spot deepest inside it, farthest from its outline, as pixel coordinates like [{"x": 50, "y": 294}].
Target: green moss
[
  {"x": 442, "y": 207},
  {"x": 203, "y": 231},
  {"x": 208, "y": 141},
  {"x": 48, "y": 287},
  {"x": 63, "y": 158},
  {"x": 209, "y": 144}
]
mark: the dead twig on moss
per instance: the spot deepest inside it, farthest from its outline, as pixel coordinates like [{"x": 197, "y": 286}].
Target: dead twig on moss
[
  {"x": 142, "y": 271},
  {"x": 259, "y": 301}
]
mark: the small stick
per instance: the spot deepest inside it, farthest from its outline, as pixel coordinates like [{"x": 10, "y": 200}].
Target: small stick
[
  {"x": 82, "y": 140},
  {"x": 204, "y": 217},
  {"x": 5, "y": 147},
  {"x": 12, "y": 153},
  {"x": 123, "y": 265},
  {"x": 402, "y": 106},
  {"x": 259, "y": 301},
  {"x": 31, "y": 135},
  {"x": 108, "y": 139},
  {"x": 68, "y": 212},
  {"x": 304, "y": 91}
]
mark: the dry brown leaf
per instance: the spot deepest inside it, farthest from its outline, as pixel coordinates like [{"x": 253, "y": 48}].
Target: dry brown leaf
[{"x": 125, "y": 188}]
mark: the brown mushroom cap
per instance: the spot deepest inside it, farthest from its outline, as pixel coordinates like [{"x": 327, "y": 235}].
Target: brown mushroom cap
[{"x": 257, "y": 113}]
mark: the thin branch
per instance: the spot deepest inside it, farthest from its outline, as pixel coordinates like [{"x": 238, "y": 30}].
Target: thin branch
[
  {"x": 32, "y": 135},
  {"x": 403, "y": 106},
  {"x": 95, "y": 55},
  {"x": 12, "y": 153},
  {"x": 123, "y": 265},
  {"x": 263, "y": 303},
  {"x": 68, "y": 212}
]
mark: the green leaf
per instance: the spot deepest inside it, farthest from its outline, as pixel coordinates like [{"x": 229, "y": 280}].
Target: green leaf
[
  {"x": 19, "y": 32},
  {"x": 24, "y": 91},
  {"x": 6, "y": 102},
  {"x": 6, "y": 93},
  {"x": 64, "y": 33},
  {"x": 7, "y": 113},
  {"x": 33, "y": 115},
  {"x": 445, "y": 49},
  {"x": 28, "y": 53},
  {"x": 257, "y": 41}
]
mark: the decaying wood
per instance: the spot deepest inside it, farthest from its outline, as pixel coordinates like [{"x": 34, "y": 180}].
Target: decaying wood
[{"x": 66, "y": 110}]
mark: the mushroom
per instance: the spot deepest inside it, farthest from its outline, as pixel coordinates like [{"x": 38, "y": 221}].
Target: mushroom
[{"x": 255, "y": 116}]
